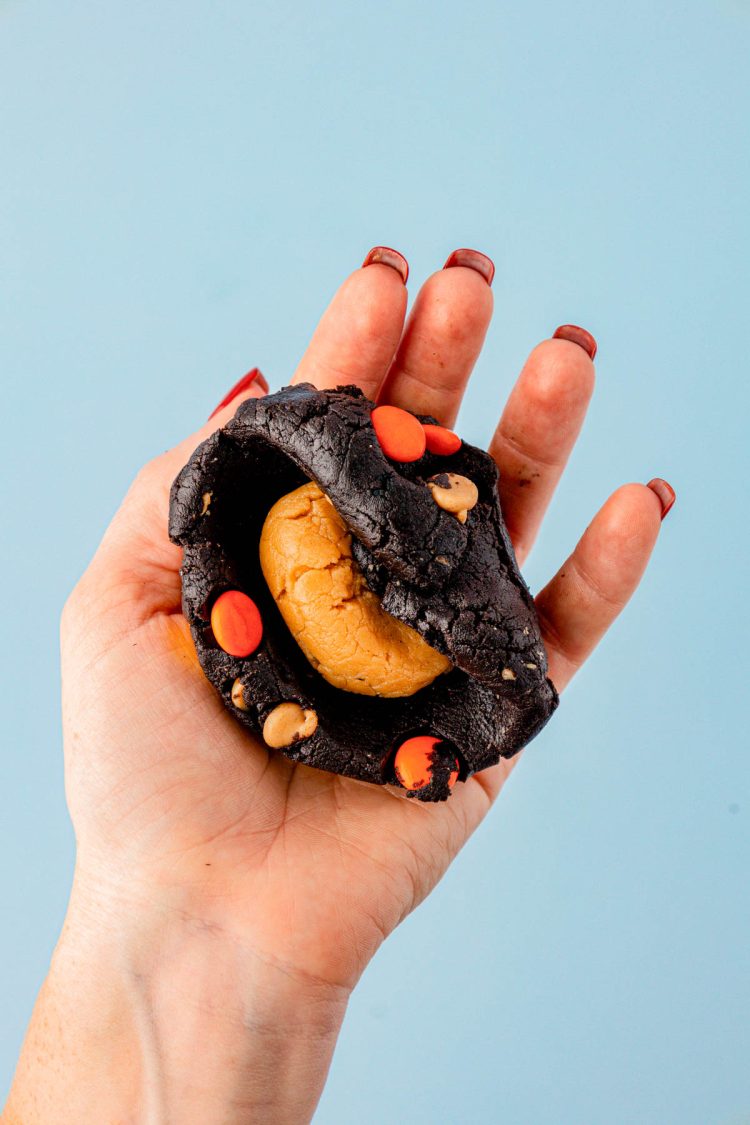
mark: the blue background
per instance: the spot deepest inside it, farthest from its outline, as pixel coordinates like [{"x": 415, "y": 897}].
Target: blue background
[{"x": 183, "y": 187}]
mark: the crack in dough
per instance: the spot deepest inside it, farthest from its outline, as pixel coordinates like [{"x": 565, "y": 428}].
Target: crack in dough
[{"x": 338, "y": 622}]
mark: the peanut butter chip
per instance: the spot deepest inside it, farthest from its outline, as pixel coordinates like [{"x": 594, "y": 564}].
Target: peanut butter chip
[
  {"x": 238, "y": 696},
  {"x": 288, "y": 723},
  {"x": 508, "y": 674},
  {"x": 206, "y": 498},
  {"x": 458, "y": 496}
]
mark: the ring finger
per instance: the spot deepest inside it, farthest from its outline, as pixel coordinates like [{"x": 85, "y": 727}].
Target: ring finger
[{"x": 539, "y": 427}]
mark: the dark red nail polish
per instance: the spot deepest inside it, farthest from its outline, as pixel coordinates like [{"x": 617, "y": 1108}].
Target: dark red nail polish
[
  {"x": 473, "y": 260},
  {"x": 246, "y": 381},
  {"x": 388, "y": 257},
  {"x": 665, "y": 492},
  {"x": 578, "y": 336}
]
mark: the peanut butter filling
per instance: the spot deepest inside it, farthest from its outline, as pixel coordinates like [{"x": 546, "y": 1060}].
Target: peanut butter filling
[{"x": 338, "y": 622}]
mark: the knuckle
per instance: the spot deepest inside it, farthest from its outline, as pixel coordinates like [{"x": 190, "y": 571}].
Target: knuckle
[{"x": 600, "y": 588}]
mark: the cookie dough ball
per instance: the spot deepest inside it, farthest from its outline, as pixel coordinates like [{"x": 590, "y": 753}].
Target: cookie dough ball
[{"x": 338, "y": 622}]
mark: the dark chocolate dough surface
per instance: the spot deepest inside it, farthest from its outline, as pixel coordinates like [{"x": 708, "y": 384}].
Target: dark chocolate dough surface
[{"x": 457, "y": 584}]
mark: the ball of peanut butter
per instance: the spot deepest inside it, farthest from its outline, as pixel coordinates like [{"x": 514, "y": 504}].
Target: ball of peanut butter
[{"x": 338, "y": 622}]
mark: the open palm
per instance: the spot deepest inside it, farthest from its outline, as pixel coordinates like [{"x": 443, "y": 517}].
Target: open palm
[{"x": 170, "y": 796}]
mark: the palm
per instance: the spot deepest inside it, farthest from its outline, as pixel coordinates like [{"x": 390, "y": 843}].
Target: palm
[
  {"x": 163, "y": 783},
  {"x": 195, "y": 797}
]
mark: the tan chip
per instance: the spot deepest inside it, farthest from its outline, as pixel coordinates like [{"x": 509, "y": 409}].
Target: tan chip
[
  {"x": 238, "y": 696},
  {"x": 289, "y": 723},
  {"x": 458, "y": 496}
]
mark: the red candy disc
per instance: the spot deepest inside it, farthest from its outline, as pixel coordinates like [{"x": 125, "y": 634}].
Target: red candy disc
[
  {"x": 236, "y": 623},
  {"x": 401, "y": 435},
  {"x": 413, "y": 762},
  {"x": 440, "y": 440}
]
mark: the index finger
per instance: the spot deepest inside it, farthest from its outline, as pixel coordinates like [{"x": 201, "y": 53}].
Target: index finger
[{"x": 359, "y": 332}]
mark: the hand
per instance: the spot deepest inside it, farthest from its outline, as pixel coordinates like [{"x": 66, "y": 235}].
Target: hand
[{"x": 191, "y": 834}]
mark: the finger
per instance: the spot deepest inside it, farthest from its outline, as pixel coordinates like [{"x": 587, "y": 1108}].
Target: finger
[
  {"x": 442, "y": 339},
  {"x": 584, "y": 598},
  {"x": 359, "y": 332},
  {"x": 588, "y": 592},
  {"x": 537, "y": 432}
]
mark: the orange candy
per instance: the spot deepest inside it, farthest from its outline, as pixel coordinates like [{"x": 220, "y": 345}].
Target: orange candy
[
  {"x": 401, "y": 435},
  {"x": 236, "y": 623},
  {"x": 440, "y": 440},
  {"x": 413, "y": 762}
]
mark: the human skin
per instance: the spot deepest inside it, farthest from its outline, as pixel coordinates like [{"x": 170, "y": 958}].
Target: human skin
[{"x": 225, "y": 900}]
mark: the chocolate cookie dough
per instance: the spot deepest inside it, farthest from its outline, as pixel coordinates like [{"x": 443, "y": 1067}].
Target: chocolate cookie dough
[{"x": 353, "y": 594}]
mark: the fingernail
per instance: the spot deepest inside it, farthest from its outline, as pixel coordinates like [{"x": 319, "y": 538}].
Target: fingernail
[
  {"x": 473, "y": 260},
  {"x": 665, "y": 492},
  {"x": 578, "y": 336},
  {"x": 246, "y": 381},
  {"x": 388, "y": 257}
]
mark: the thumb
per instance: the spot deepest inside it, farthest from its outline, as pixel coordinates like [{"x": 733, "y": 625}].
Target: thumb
[{"x": 135, "y": 571}]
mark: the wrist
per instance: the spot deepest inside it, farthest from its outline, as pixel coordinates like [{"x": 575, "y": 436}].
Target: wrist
[{"x": 170, "y": 1015}]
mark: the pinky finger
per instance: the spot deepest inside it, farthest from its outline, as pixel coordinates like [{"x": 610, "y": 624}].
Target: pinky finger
[{"x": 589, "y": 591}]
